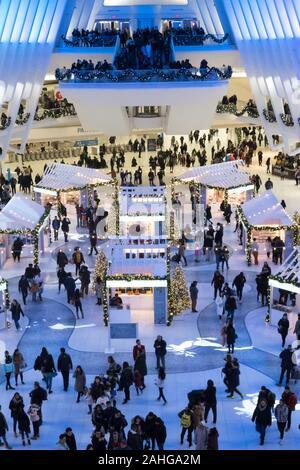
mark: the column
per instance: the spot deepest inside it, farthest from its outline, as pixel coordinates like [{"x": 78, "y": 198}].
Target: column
[{"x": 289, "y": 238}]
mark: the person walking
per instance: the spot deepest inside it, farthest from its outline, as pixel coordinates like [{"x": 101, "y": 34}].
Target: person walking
[
  {"x": 3, "y": 429},
  {"x": 17, "y": 249},
  {"x": 65, "y": 227},
  {"x": 160, "y": 383},
  {"x": 201, "y": 436},
  {"x": 287, "y": 364},
  {"x": 24, "y": 426},
  {"x": 160, "y": 347},
  {"x": 290, "y": 399},
  {"x": 230, "y": 336},
  {"x": 56, "y": 227},
  {"x": 19, "y": 364},
  {"x": 194, "y": 295},
  {"x": 80, "y": 382},
  {"x": 181, "y": 252},
  {"x": 268, "y": 185},
  {"x": 160, "y": 432},
  {"x": 78, "y": 260},
  {"x": 219, "y": 301},
  {"x": 210, "y": 401},
  {"x": 230, "y": 306},
  {"x": 93, "y": 243},
  {"x": 283, "y": 328},
  {"x": 217, "y": 282},
  {"x": 297, "y": 331},
  {"x": 126, "y": 380},
  {"x": 8, "y": 369},
  {"x": 24, "y": 288},
  {"x": 61, "y": 259},
  {"x": 99, "y": 290},
  {"x": 64, "y": 365},
  {"x": 239, "y": 283},
  {"x": 70, "y": 287},
  {"x": 263, "y": 418},
  {"x": 233, "y": 378},
  {"x": 85, "y": 278},
  {"x": 268, "y": 163},
  {"x": 141, "y": 366},
  {"x": 187, "y": 424},
  {"x": 281, "y": 415},
  {"x": 254, "y": 250},
  {"x": 16, "y": 312},
  {"x": 49, "y": 372},
  {"x": 16, "y": 404},
  {"x": 77, "y": 303},
  {"x": 70, "y": 439},
  {"x": 34, "y": 416},
  {"x": 37, "y": 396},
  {"x": 224, "y": 257}
]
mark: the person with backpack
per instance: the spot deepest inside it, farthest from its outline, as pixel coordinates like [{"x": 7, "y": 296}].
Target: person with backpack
[
  {"x": 210, "y": 401},
  {"x": 281, "y": 415},
  {"x": 126, "y": 380},
  {"x": 230, "y": 307},
  {"x": 78, "y": 260},
  {"x": 283, "y": 328},
  {"x": 187, "y": 424},
  {"x": 290, "y": 399},
  {"x": 268, "y": 395},
  {"x": 263, "y": 418}
]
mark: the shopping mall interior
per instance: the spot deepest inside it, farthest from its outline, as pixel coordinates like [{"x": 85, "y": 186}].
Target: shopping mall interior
[{"x": 149, "y": 225}]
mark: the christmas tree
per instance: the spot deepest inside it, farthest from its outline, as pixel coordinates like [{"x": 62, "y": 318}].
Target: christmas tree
[
  {"x": 100, "y": 268},
  {"x": 179, "y": 299}
]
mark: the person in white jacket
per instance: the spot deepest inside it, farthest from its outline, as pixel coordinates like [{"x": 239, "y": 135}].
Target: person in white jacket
[
  {"x": 201, "y": 434},
  {"x": 220, "y": 306}
]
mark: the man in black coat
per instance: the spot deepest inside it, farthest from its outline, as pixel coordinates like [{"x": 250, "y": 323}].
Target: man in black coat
[
  {"x": 64, "y": 365},
  {"x": 70, "y": 286},
  {"x": 70, "y": 439},
  {"x": 287, "y": 364},
  {"x": 38, "y": 395}
]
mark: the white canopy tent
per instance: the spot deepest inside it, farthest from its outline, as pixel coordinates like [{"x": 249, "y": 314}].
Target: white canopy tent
[
  {"x": 226, "y": 175},
  {"x": 24, "y": 217},
  {"x": 265, "y": 209},
  {"x": 20, "y": 213},
  {"x": 264, "y": 217},
  {"x": 61, "y": 177}
]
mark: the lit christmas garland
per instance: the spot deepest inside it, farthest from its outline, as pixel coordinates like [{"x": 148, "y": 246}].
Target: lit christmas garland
[{"x": 287, "y": 119}]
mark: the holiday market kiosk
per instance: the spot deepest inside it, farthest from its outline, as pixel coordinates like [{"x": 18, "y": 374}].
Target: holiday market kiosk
[
  {"x": 70, "y": 184},
  {"x": 24, "y": 218},
  {"x": 285, "y": 285},
  {"x": 229, "y": 181},
  {"x": 264, "y": 217},
  {"x": 5, "y": 317},
  {"x": 142, "y": 211}
]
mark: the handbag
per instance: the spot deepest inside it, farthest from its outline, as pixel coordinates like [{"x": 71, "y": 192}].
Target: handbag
[{"x": 54, "y": 374}]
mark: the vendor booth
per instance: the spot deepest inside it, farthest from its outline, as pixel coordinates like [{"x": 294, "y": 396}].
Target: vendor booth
[
  {"x": 138, "y": 272},
  {"x": 285, "y": 289},
  {"x": 24, "y": 218},
  {"x": 70, "y": 184},
  {"x": 264, "y": 217},
  {"x": 212, "y": 184},
  {"x": 142, "y": 211}
]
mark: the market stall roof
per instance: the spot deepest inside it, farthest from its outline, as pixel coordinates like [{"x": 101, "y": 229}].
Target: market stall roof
[
  {"x": 265, "y": 209},
  {"x": 226, "y": 175},
  {"x": 288, "y": 273},
  {"x": 60, "y": 176},
  {"x": 20, "y": 213}
]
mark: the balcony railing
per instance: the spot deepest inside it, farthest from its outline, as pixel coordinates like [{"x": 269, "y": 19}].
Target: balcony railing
[
  {"x": 269, "y": 115},
  {"x": 55, "y": 113},
  {"x": 199, "y": 39},
  {"x": 153, "y": 75},
  {"x": 103, "y": 40},
  {"x": 287, "y": 119},
  {"x": 231, "y": 108}
]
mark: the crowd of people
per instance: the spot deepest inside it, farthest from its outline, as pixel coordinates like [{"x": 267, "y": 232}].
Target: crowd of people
[{"x": 92, "y": 38}]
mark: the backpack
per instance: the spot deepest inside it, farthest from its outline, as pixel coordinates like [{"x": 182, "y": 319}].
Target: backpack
[
  {"x": 185, "y": 420},
  {"x": 271, "y": 399},
  {"x": 292, "y": 401},
  {"x": 77, "y": 257}
]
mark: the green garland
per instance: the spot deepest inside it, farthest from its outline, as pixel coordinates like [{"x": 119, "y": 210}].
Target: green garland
[
  {"x": 134, "y": 277},
  {"x": 277, "y": 277}
]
